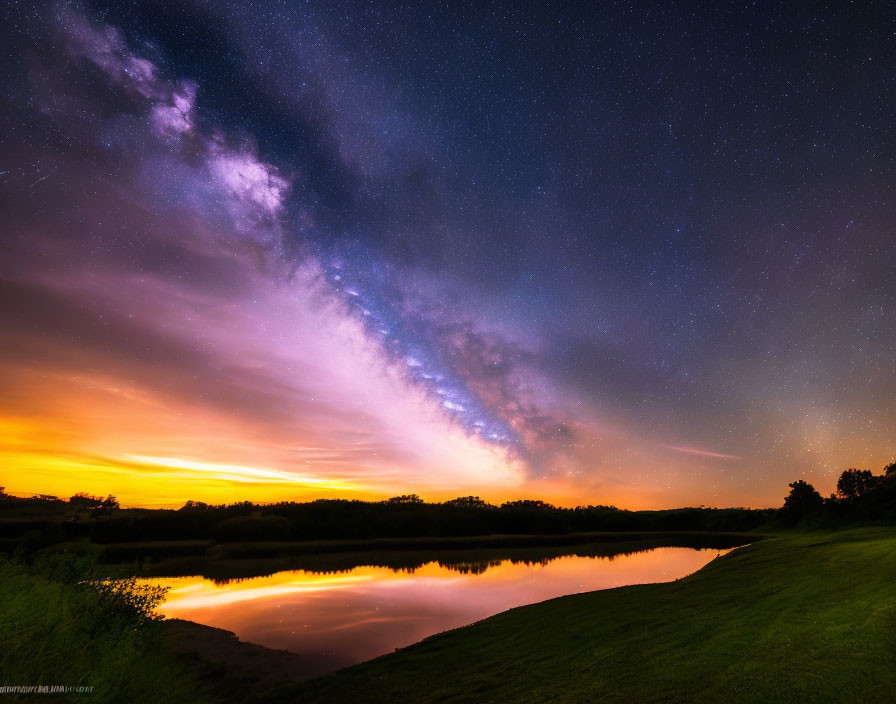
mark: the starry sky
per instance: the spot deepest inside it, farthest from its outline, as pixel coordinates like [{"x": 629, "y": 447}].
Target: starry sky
[{"x": 639, "y": 254}]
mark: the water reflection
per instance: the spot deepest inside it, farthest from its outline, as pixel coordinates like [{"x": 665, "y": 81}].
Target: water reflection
[{"x": 335, "y": 619}]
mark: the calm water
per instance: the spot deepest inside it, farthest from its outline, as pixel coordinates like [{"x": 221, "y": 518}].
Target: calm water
[{"x": 343, "y": 618}]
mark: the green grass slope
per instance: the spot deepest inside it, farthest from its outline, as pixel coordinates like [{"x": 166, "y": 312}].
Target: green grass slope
[
  {"x": 799, "y": 618},
  {"x": 58, "y": 633}
]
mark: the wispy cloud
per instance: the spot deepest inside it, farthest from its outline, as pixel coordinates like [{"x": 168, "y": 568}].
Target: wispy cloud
[{"x": 702, "y": 453}]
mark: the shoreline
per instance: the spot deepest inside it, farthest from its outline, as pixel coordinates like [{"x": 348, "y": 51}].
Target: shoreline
[
  {"x": 235, "y": 668},
  {"x": 250, "y": 667},
  {"x": 733, "y": 631}
]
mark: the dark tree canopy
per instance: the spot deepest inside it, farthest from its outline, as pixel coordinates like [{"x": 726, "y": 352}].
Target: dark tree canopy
[
  {"x": 853, "y": 483},
  {"x": 83, "y": 500},
  {"x": 405, "y": 499},
  {"x": 468, "y": 502},
  {"x": 802, "y": 500}
]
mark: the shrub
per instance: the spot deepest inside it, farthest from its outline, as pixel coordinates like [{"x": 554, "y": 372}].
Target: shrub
[{"x": 127, "y": 602}]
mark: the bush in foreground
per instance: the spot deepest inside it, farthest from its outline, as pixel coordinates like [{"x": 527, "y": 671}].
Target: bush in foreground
[{"x": 61, "y": 629}]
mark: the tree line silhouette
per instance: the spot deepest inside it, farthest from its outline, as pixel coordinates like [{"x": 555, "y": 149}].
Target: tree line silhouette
[
  {"x": 861, "y": 497},
  {"x": 407, "y": 516}
]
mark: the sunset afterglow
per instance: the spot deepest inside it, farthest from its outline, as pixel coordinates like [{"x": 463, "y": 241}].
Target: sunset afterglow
[{"x": 242, "y": 285}]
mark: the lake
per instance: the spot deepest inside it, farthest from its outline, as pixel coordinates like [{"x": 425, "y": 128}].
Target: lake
[{"x": 335, "y": 619}]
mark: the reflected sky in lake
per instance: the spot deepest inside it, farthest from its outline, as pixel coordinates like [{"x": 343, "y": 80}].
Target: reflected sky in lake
[{"x": 343, "y": 618}]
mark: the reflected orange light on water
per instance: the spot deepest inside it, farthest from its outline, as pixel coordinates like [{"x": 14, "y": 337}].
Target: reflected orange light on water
[{"x": 344, "y": 618}]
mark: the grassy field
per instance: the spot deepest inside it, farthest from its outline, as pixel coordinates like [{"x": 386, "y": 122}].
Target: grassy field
[{"x": 800, "y": 618}]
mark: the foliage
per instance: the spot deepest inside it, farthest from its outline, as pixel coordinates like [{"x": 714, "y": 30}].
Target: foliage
[
  {"x": 58, "y": 629},
  {"x": 127, "y": 602},
  {"x": 854, "y": 483},
  {"x": 536, "y": 505},
  {"x": 68, "y": 563},
  {"x": 862, "y": 498},
  {"x": 84, "y": 500},
  {"x": 405, "y": 516},
  {"x": 802, "y": 500},
  {"x": 405, "y": 499},
  {"x": 468, "y": 502}
]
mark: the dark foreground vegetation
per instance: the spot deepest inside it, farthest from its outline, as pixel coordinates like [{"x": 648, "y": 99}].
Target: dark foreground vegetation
[
  {"x": 41, "y": 521},
  {"x": 862, "y": 498},
  {"x": 63, "y": 624}
]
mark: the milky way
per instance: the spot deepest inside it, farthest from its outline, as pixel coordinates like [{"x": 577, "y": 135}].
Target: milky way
[{"x": 640, "y": 254}]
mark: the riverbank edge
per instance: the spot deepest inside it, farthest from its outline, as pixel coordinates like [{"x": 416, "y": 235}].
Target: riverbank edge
[
  {"x": 252, "y": 671},
  {"x": 802, "y": 617}
]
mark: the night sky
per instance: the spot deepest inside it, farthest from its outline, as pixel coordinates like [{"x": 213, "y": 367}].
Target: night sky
[{"x": 639, "y": 254}]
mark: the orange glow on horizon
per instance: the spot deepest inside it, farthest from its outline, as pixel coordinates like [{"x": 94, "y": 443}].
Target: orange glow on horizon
[
  {"x": 145, "y": 482},
  {"x": 67, "y": 433}
]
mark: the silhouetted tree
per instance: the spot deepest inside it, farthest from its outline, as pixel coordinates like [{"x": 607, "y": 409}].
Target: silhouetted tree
[
  {"x": 405, "y": 499},
  {"x": 802, "y": 500},
  {"x": 890, "y": 469},
  {"x": 84, "y": 505},
  {"x": 468, "y": 502},
  {"x": 194, "y": 506},
  {"x": 98, "y": 519},
  {"x": 84, "y": 500},
  {"x": 536, "y": 504},
  {"x": 853, "y": 483}
]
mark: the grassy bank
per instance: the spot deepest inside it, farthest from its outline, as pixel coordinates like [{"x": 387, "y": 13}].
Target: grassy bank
[
  {"x": 800, "y": 618},
  {"x": 55, "y": 631}
]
